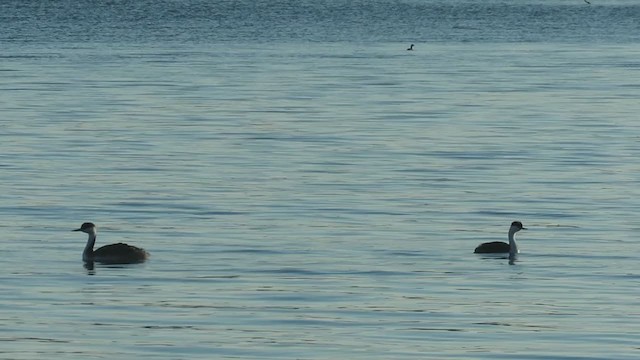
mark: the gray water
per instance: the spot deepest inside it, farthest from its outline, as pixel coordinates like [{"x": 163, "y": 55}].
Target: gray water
[{"x": 308, "y": 189}]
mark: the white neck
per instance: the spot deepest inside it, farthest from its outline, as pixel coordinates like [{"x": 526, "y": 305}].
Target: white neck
[
  {"x": 87, "y": 254},
  {"x": 513, "y": 248}
]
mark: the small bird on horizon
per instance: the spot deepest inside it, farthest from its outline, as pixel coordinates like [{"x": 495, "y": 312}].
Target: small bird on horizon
[{"x": 410, "y": 47}]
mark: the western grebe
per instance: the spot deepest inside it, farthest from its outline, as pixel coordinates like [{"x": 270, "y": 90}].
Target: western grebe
[
  {"x": 410, "y": 47},
  {"x": 110, "y": 254},
  {"x": 502, "y": 247}
]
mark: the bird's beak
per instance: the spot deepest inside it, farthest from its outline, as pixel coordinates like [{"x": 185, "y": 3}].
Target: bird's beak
[
  {"x": 523, "y": 228},
  {"x": 77, "y": 230}
]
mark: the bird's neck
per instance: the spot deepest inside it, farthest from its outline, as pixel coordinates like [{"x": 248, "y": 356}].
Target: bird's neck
[
  {"x": 513, "y": 247},
  {"x": 87, "y": 254}
]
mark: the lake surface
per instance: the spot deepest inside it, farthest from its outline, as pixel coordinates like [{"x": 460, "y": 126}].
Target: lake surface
[{"x": 308, "y": 189}]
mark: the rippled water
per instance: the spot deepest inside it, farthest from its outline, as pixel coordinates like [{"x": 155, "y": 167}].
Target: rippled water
[{"x": 319, "y": 198}]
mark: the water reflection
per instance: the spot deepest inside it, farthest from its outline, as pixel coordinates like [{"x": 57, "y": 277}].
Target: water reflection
[
  {"x": 90, "y": 266},
  {"x": 502, "y": 256}
]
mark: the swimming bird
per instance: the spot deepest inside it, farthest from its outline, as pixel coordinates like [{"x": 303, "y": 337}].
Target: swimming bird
[
  {"x": 410, "y": 47},
  {"x": 502, "y": 247},
  {"x": 110, "y": 254}
]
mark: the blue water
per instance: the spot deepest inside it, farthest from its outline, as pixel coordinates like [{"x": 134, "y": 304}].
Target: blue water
[{"x": 308, "y": 189}]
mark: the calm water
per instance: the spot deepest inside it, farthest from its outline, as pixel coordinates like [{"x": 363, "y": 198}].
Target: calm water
[{"x": 308, "y": 189}]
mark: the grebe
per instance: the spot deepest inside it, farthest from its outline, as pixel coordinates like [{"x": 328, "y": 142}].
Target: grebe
[
  {"x": 110, "y": 254},
  {"x": 410, "y": 47},
  {"x": 502, "y": 247}
]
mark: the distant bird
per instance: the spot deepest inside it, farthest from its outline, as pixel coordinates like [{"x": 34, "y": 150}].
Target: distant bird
[
  {"x": 497, "y": 247},
  {"x": 110, "y": 254},
  {"x": 587, "y": 2},
  {"x": 410, "y": 48}
]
